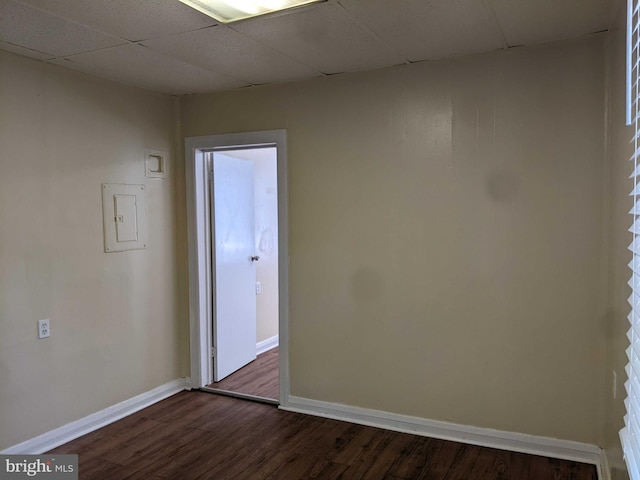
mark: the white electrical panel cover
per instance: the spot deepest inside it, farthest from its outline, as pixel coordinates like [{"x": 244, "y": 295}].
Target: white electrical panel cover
[{"x": 124, "y": 217}]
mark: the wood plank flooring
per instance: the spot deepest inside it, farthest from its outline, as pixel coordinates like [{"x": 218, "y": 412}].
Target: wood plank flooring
[
  {"x": 197, "y": 435},
  {"x": 259, "y": 378}
]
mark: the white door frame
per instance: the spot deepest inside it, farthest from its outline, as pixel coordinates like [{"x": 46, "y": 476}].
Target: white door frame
[{"x": 199, "y": 247}]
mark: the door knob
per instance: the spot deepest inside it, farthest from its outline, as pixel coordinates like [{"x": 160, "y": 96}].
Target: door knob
[{"x": 255, "y": 258}]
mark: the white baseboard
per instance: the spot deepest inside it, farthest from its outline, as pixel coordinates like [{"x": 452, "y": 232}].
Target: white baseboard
[
  {"x": 266, "y": 345},
  {"x": 484, "y": 437},
  {"x": 66, "y": 433}
]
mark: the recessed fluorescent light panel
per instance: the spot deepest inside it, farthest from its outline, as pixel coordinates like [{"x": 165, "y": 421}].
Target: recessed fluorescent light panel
[{"x": 227, "y": 11}]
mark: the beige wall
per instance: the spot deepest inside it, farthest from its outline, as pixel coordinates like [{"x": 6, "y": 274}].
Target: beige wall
[
  {"x": 446, "y": 235},
  {"x": 619, "y": 151},
  {"x": 116, "y": 327}
]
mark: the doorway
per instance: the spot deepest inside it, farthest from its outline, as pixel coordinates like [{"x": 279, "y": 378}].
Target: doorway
[{"x": 264, "y": 154}]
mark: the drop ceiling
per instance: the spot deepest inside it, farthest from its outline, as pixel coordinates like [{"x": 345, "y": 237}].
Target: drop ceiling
[{"x": 165, "y": 46}]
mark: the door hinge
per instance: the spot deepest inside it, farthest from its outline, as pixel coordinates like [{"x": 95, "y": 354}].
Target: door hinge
[{"x": 213, "y": 352}]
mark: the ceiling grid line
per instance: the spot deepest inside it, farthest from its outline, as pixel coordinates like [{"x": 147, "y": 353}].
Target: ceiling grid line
[
  {"x": 371, "y": 32},
  {"x": 230, "y": 27},
  {"x": 79, "y": 24},
  {"x": 489, "y": 8}
]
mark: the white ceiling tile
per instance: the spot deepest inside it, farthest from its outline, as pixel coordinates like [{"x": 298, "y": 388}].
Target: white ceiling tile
[
  {"x": 24, "y": 51},
  {"x": 46, "y": 33},
  {"x": 223, "y": 50},
  {"x": 427, "y": 29},
  {"x": 130, "y": 19},
  {"x": 137, "y": 65},
  {"x": 322, "y": 37},
  {"x": 526, "y": 22},
  {"x": 188, "y": 53}
]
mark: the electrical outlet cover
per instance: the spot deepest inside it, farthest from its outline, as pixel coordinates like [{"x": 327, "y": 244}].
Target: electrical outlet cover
[{"x": 43, "y": 328}]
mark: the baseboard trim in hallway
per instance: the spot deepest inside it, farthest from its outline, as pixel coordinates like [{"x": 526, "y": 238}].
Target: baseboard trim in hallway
[{"x": 268, "y": 344}]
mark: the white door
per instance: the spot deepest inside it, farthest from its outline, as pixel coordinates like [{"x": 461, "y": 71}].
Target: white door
[{"x": 234, "y": 322}]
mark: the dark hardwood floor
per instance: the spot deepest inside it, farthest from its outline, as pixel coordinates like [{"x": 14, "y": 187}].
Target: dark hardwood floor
[
  {"x": 196, "y": 435},
  {"x": 259, "y": 378}
]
